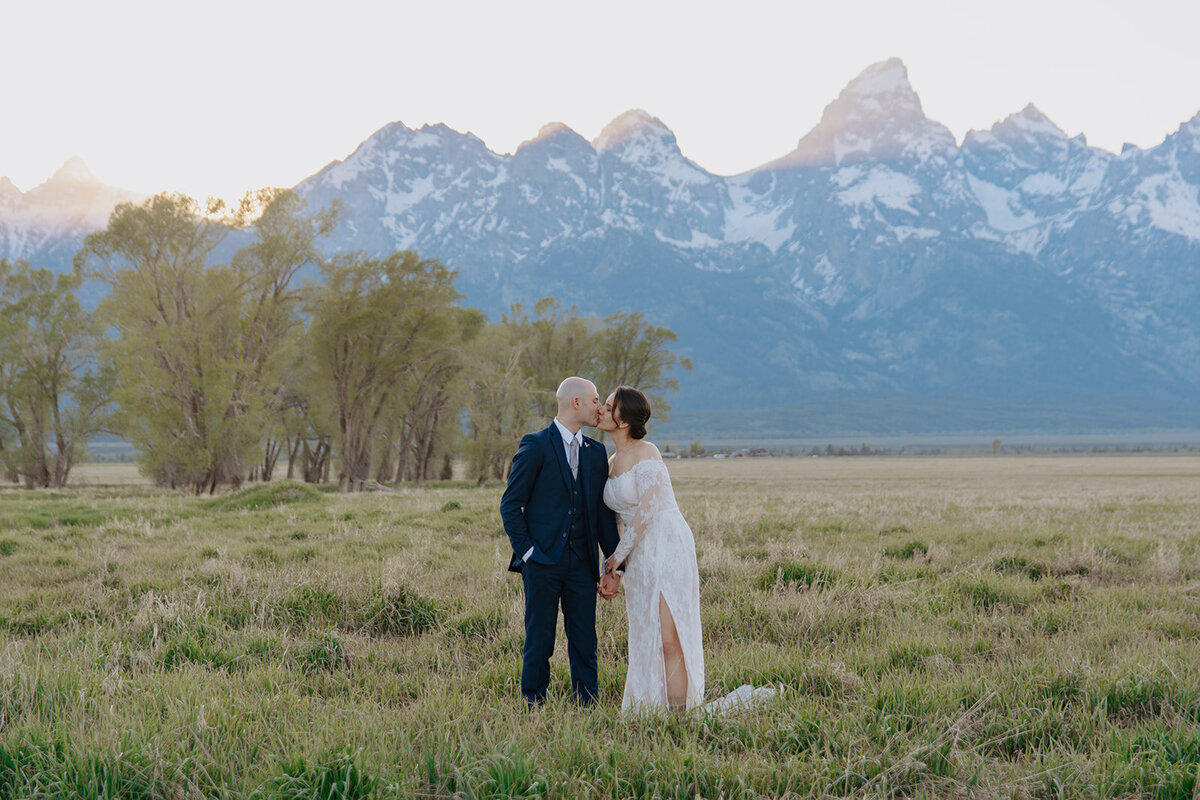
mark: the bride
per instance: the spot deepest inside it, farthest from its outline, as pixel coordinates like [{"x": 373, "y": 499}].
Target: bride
[{"x": 662, "y": 583}]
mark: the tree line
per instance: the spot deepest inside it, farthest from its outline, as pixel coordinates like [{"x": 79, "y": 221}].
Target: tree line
[{"x": 220, "y": 366}]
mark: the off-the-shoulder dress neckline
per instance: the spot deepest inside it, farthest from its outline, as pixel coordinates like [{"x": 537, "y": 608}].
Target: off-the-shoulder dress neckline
[{"x": 637, "y": 464}]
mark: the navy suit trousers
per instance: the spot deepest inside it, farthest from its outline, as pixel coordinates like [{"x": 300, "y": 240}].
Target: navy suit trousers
[{"x": 571, "y": 584}]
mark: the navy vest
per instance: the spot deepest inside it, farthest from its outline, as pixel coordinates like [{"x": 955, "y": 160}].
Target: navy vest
[{"x": 577, "y": 539}]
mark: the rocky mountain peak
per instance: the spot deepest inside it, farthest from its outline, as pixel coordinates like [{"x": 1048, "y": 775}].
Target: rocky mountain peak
[
  {"x": 8, "y": 190},
  {"x": 881, "y": 87},
  {"x": 1027, "y": 123},
  {"x": 74, "y": 171},
  {"x": 396, "y": 136},
  {"x": 634, "y": 124},
  {"x": 1188, "y": 132},
  {"x": 877, "y": 116},
  {"x": 555, "y": 133}
]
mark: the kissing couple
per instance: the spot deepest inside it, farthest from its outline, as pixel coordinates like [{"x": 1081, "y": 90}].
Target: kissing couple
[{"x": 566, "y": 500}]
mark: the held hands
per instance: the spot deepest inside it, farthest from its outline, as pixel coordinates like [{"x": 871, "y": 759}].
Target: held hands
[
  {"x": 610, "y": 581},
  {"x": 610, "y": 585}
]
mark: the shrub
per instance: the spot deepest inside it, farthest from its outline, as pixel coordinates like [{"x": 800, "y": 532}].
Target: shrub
[
  {"x": 399, "y": 613},
  {"x": 907, "y": 551},
  {"x": 985, "y": 596},
  {"x": 262, "y": 556},
  {"x": 307, "y": 604},
  {"x": 265, "y": 496},
  {"x": 480, "y": 626},
  {"x": 797, "y": 574},
  {"x": 1017, "y": 565},
  {"x": 323, "y": 654},
  {"x": 335, "y": 776}
]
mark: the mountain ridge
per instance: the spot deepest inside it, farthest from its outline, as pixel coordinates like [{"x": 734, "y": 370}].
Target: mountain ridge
[{"x": 878, "y": 258}]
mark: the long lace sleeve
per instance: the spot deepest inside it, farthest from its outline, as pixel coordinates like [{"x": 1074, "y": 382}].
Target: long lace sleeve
[{"x": 654, "y": 496}]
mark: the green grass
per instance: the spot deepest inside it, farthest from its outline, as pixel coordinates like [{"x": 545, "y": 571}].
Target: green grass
[
  {"x": 906, "y": 551},
  {"x": 263, "y": 496},
  {"x": 797, "y": 574},
  {"x": 940, "y": 628}
]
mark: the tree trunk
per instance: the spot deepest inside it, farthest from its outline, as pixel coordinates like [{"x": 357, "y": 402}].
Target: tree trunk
[
  {"x": 62, "y": 446},
  {"x": 355, "y": 461},
  {"x": 426, "y": 449},
  {"x": 62, "y": 466},
  {"x": 383, "y": 473},
  {"x": 292, "y": 450},
  {"x": 403, "y": 450},
  {"x": 11, "y": 474},
  {"x": 306, "y": 461},
  {"x": 270, "y": 456}
]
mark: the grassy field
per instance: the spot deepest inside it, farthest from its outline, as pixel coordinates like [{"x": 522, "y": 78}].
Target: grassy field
[{"x": 943, "y": 627}]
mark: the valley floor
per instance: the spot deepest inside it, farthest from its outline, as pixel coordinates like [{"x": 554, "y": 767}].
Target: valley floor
[{"x": 941, "y": 627}]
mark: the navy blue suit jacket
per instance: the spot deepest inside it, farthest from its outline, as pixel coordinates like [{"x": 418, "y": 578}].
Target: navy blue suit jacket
[{"x": 536, "y": 506}]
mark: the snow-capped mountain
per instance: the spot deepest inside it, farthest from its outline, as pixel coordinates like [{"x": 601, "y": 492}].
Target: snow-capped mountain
[
  {"x": 47, "y": 224},
  {"x": 878, "y": 259},
  {"x": 879, "y": 256}
]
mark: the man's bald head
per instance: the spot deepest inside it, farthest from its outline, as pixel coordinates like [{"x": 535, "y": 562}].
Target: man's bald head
[{"x": 578, "y": 402}]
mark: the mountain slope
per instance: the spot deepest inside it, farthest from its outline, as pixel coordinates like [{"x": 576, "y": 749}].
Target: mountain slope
[{"x": 879, "y": 259}]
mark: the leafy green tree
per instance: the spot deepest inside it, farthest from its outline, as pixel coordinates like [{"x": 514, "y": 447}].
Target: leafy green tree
[
  {"x": 630, "y": 351},
  {"x": 425, "y": 419},
  {"x": 10, "y": 455},
  {"x": 556, "y": 342},
  {"x": 195, "y": 340},
  {"x": 52, "y": 385},
  {"x": 524, "y": 358},
  {"x": 373, "y": 321},
  {"x": 500, "y": 401}
]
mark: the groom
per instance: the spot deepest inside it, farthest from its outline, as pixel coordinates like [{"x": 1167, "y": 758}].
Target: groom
[{"x": 555, "y": 517}]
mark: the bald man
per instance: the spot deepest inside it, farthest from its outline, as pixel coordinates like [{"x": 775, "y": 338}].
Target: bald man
[{"x": 554, "y": 514}]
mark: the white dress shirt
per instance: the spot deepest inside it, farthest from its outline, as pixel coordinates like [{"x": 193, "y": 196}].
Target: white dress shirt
[{"x": 567, "y": 436}]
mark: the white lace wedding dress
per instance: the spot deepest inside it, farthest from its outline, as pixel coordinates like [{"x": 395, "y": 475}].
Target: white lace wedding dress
[{"x": 660, "y": 559}]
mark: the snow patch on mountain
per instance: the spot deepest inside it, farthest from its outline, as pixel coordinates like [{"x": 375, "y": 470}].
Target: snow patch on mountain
[
  {"x": 866, "y": 186},
  {"x": 750, "y": 221},
  {"x": 906, "y": 231},
  {"x": 653, "y": 156},
  {"x": 1171, "y": 204},
  {"x": 1090, "y": 179},
  {"x": 698, "y": 240},
  {"x": 820, "y": 284},
  {"x": 1003, "y": 207},
  {"x": 398, "y": 200},
  {"x": 1042, "y": 183}
]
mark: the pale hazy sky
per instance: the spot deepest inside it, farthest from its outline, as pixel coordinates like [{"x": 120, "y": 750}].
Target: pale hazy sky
[{"x": 217, "y": 97}]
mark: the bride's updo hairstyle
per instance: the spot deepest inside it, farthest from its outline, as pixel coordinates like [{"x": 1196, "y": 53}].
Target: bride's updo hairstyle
[{"x": 633, "y": 408}]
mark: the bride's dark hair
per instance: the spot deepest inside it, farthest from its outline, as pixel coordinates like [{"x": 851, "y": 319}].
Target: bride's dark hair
[{"x": 631, "y": 406}]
